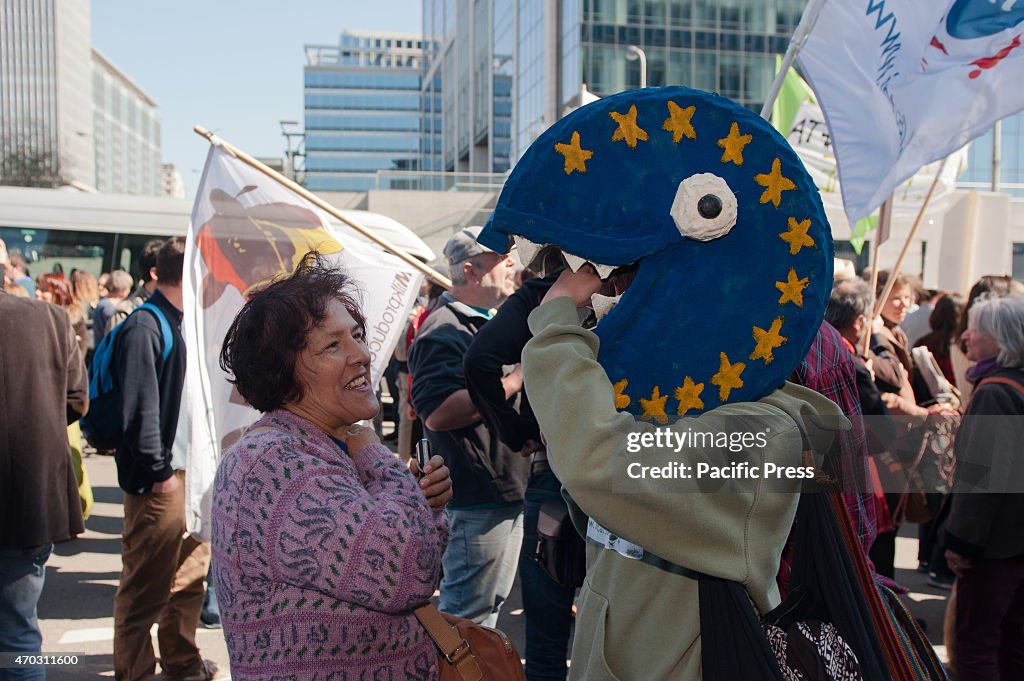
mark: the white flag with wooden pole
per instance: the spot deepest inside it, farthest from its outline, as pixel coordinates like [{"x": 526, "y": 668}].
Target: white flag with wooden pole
[
  {"x": 250, "y": 224},
  {"x": 906, "y": 83},
  {"x": 832, "y": 54}
]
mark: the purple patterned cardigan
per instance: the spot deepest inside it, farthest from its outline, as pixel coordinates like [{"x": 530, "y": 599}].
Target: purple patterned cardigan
[{"x": 319, "y": 558}]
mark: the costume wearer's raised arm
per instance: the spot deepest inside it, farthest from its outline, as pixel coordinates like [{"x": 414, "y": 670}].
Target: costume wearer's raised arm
[{"x": 587, "y": 439}]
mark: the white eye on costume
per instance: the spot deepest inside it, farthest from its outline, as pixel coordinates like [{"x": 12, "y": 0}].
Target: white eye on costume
[{"x": 704, "y": 207}]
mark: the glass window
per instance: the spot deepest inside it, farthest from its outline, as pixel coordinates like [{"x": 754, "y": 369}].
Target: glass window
[
  {"x": 680, "y": 12},
  {"x": 845, "y": 251},
  {"x": 728, "y": 14},
  {"x": 409, "y": 123},
  {"x": 678, "y": 38},
  {"x": 1018, "y": 261},
  {"x": 654, "y": 37},
  {"x": 654, "y": 12},
  {"x": 730, "y": 79},
  {"x": 352, "y": 183},
  {"x": 729, "y": 41},
  {"x": 704, "y": 14},
  {"x": 362, "y": 162},
  {"x": 755, "y": 17},
  {"x": 59, "y": 250},
  {"x": 52, "y": 250},
  {"x": 679, "y": 68},
  {"x": 754, "y": 43},
  {"x": 603, "y": 10},
  {"x": 705, "y": 40},
  {"x": 389, "y": 101},
  {"x": 705, "y": 75},
  {"x": 633, "y": 14}
]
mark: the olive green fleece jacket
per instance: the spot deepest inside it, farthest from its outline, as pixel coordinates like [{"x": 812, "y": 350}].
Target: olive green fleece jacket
[{"x": 636, "y": 621}]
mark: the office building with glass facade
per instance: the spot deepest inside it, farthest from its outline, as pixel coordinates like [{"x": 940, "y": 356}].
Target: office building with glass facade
[
  {"x": 550, "y": 51},
  {"x": 362, "y": 111},
  {"x": 126, "y": 131},
  {"x": 467, "y": 84},
  {"x": 978, "y": 174},
  {"x": 46, "y": 129},
  {"x": 724, "y": 46}
]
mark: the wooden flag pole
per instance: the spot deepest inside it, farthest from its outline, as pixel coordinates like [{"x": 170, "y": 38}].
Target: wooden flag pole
[
  {"x": 884, "y": 223},
  {"x": 796, "y": 43},
  {"x": 323, "y": 205},
  {"x": 906, "y": 244}
]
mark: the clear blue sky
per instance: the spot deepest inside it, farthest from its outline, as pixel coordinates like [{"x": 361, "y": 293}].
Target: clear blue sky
[{"x": 234, "y": 67}]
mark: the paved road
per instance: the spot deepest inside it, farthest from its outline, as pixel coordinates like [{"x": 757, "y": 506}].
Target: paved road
[{"x": 82, "y": 576}]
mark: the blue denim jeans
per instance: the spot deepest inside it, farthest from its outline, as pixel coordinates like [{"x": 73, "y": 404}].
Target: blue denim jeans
[
  {"x": 21, "y": 583},
  {"x": 480, "y": 561},
  {"x": 547, "y": 604}
]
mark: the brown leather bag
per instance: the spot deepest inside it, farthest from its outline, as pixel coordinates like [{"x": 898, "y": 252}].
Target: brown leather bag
[
  {"x": 470, "y": 651},
  {"x": 913, "y": 503}
]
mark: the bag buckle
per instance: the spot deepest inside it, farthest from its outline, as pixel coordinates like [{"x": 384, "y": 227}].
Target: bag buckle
[{"x": 459, "y": 653}]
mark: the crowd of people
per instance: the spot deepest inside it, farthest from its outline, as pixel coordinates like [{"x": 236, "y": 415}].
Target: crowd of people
[{"x": 325, "y": 541}]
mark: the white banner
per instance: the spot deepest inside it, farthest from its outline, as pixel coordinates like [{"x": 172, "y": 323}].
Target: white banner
[
  {"x": 810, "y": 138},
  {"x": 906, "y": 82},
  {"x": 246, "y": 229}
]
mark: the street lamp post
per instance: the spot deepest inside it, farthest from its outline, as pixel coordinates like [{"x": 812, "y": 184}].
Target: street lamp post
[
  {"x": 634, "y": 52},
  {"x": 290, "y": 154}
]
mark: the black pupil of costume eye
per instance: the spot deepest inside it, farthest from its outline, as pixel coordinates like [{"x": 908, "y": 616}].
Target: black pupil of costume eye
[{"x": 709, "y": 206}]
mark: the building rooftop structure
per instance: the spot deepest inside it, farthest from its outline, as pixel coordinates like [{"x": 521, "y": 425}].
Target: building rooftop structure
[{"x": 361, "y": 109}]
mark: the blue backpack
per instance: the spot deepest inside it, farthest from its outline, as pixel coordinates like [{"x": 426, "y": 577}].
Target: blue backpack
[{"x": 102, "y": 425}]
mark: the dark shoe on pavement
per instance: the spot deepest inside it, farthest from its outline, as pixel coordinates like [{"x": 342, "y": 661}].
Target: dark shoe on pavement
[
  {"x": 209, "y": 616},
  {"x": 209, "y": 619},
  {"x": 941, "y": 581}
]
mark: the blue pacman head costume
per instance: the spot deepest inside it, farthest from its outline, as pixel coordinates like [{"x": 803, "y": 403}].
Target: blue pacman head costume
[{"x": 732, "y": 249}]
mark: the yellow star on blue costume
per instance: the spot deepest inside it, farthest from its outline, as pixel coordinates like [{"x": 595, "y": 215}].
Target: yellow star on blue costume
[
  {"x": 733, "y": 144},
  {"x": 768, "y": 341},
  {"x": 575, "y": 157},
  {"x": 774, "y": 184},
  {"x": 796, "y": 236},
  {"x": 622, "y": 400},
  {"x": 654, "y": 408},
  {"x": 792, "y": 289},
  {"x": 628, "y": 129},
  {"x": 728, "y": 376},
  {"x": 689, "y": 396},
  {"x": 679, "y": 122}
]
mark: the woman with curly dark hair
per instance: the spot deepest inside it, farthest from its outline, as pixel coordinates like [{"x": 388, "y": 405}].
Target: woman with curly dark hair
[{"x": 323, "y": 541}]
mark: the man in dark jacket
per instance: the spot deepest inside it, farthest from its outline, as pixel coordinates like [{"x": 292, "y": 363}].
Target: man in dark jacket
[
  {"x": 44, "y": 388},
  {"x": 162, "y": 570},
  {"x": 547, "y": 603},
  {"x": 488, "y": 479}
]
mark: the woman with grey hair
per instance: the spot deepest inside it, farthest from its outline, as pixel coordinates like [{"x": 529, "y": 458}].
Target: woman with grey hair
[{"x": 984, "y": 533}]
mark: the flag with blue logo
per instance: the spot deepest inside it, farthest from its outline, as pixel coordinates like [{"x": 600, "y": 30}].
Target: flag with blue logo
[
  {"x": 796, "y": 115},
  {"x": 903, "y": 83}
]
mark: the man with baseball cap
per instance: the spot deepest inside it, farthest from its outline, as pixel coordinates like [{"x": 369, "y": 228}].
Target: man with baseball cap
[{"x": 488, "y": 479}]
